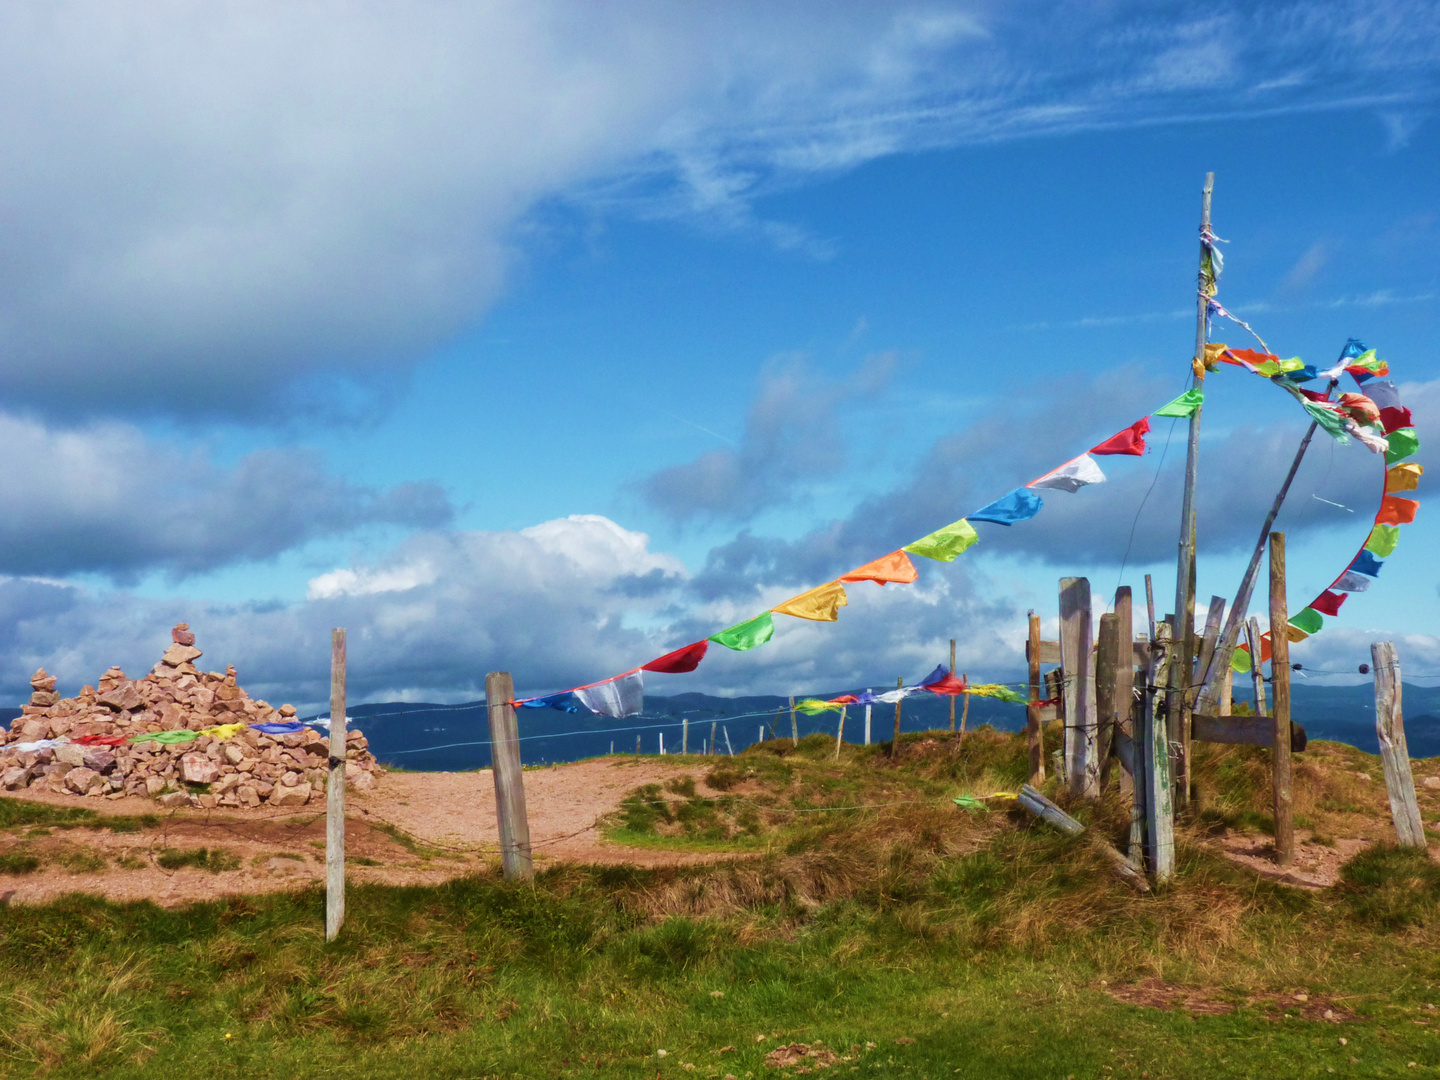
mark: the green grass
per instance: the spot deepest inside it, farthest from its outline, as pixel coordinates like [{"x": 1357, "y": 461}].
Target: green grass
[
  {"x": 914, "y": 940},
  {"x": 16, "y": 813},
  {"x": 18, "y": 862},
  {"x": 213, "y": 859}
]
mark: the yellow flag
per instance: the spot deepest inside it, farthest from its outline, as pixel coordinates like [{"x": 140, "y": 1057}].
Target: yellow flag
[
  {"x": 1403, "y": 477},
  {"x": 821, "y": 605}
]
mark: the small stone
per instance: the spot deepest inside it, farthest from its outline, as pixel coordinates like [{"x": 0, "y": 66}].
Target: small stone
[
  {"x": 208, "y": 801},
  {"x": 1432, "y": 783},
  {"x": 154, "y": 785},
  {"x": 45, "y": 698},
  {"x": 98, "y": 758},
  {"x": 182, "y": 634},
  {"x": 81, "y": 780},
  {"x": 42, "y": 681},
  {"x": 16, "y": 778},
  {"x": 233, "y": 754},
  {"x": 290, "y": 796},
  {"x": 122, "y": 698},
  {"x": 198, "y": 769},
  {"x": 71, "y": 755},
  {"x": 1344, "y": 1041},
  {"x": 1302, "y": 997},
  {"x": 363, "y": 782},
  {"x": 287, "y": 711},
  {"x": 178, "y": 654}
]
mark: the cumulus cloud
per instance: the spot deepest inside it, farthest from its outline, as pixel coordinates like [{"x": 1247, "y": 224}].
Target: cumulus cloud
[
  {"x": 792, "y": 435},
  {"x": 106, "y": 499},
  {"x": 208, "y": 207}
]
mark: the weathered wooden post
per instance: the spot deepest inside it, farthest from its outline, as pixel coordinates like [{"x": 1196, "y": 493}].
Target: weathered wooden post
[
  {"x": 952, "y": 696},
  {"x": 1076, "y": 660},
  {"x": 1155, "y": 760},
  {"x": 965, "y": 711},
  {"x": 1032, "y": 711},
  {"x": 1394, "y": 753},
  {"x": 794, "y": 726},
  {"x": 514, "y": 825},
  {"x": 685, "y": 735},
  {"x": 1280, "y": 684},
  {"x": 1257, "y": 669},
  {"x": 1107, "y": 676},
  {"x": 840, "y": 733},
  {"x": 335, "y": 793},
  {"x": 895, "y": 742},
  {"x": 867, "y": 725},
  {"x": 715, "y": 726}
]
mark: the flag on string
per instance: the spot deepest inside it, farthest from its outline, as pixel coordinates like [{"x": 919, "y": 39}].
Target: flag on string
[
  {"x": 1308, "y": 620},
  {"x": 563, "y": 701},
  {"x": 1183, "y": 405},
  {"x": 1130, "y": 440},
  {"x": 1362, "y": 408},
  {"x": 995, "y": 690},
  {"x": 1020, "y": 505},
  {"x": 1396, "y": 511},
  {"x": 814, "y": 706},
  {"x": 944, "y": 544},
  {"x": 1367, "y": 366},
  {"x": 1350, "y": 581},
  {"x": 895, "y": 567},
  {"x": 1395, "y": 417},
  {"x": 1071, "y": 476},
  {"x": 681, "y": 660},
  {"x": 1383, "y": 393},
  {"x": 821, "y": 604},
  {"x": 1329, "y": 418},
  {"x": 948, "y": 684},
  {"x": 1403, "y": 477},
  {"x": 1367, "y": 564},
  {"x": 748, "y": 634},
  {"x": 1383, "y": 540},
  {"x": 1328, "y": 602},
  {"x": 1353, "y": 348},
  {"x": 622, "y": 696},
  {"x": 1403, "y": 443}
]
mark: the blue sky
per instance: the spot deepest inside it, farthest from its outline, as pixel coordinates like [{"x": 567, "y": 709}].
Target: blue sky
[{"x": 307, "y": 325}]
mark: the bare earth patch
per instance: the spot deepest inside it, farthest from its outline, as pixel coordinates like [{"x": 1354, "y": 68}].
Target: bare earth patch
[
  {"x": 1316, "y": 866},
  {"x": 1154, "y": 994},
  {"x": 412, "y": 829}
]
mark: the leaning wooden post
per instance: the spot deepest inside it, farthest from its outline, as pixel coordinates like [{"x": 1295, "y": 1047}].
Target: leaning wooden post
[
  {"x": 515, "y": 857},
  {"x": 1155, "y": 760},
  {"x": 840, "y": 733},
  {"x": 895, "y": 742},
  {"x": 1107, "y": 675},
  {"x": 1181, "y": 674},
  {"x": 1032, "y": 711},
  {"x": 952, "y": 696},
  {"x": 1394, "y": 753},
  {"x": 714, "y": 728},
  {"x": 1280, "y": 684},
  {"x": 1076, "y": 660},
  {"x": 1257, "y": 669},
  {"x": 335, "y": 793}
]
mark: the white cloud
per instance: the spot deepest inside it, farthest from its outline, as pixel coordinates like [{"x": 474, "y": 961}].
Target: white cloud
[{"x": 346, "y": 582}]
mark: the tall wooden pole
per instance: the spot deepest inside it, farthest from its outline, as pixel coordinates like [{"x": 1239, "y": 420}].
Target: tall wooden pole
[
  {"x": 1182, "y": 672},
  {"x": 1280, "y": 683},
  {"x": 1032, "y": 718},
  {"x": 1154, "y": 734},
  {"x": 515, "y": 856},
  {"x": 794, "y": 726},
  {"x": 895, "y": 742},
  {"x": 335, "y": 793},
  {"x": 952, "y": 696}
]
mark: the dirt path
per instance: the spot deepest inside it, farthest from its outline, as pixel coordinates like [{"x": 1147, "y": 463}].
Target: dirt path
[{"x": 412, "y": 829}]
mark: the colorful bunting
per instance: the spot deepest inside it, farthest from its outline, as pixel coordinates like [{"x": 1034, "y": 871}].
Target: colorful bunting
[
  {"x": 1403, "y": 443},
  {"x": 944, "y": 544},
  {"x": 1396, "y": 511},
  {"x": 1383, "y": 540},
  {"x": 1020, "y": 505},
  {"x": 1384, "y": 394},
  {"x": 681, "y": 660},
  {"x": 1328, "y": 602},
  {"x": 1329, "y": 418},
  {"x": 1071, "y": 476},
  {"x": 1367, "y": 564},
  {"x": 820, "y": 604},
  {"x": 949, "y": 684},
  {"x": 895, "y": 567},
  {"x": 1403, "y": 477},
  {"x": 1393, "y": 418},
  {"x": 1130, "y": 440},
  {"x": 1000, "y": 693},
  {"x": 1350, "y": 581},
  {"x": 563, "y": 702},
  {"x": 746, "y": 635},
  {"x": 1183, "y": 405},
  {"x": 814, "y": 706}
]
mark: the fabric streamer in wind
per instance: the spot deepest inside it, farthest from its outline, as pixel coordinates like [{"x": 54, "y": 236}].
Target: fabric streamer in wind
[
  {"x": 681, "y": 660},
  {"x": 1072, "y": 476},
  {"x": 944, "y": 544},
  {"x": 746, "y": 635},
  {"x": 893, "y": 568},
  {"x": 820, "y": 604},
  {"x": 1019, "y": 505},
  {"x": 1130, "y": 440},
  {"x": 619, "y": 697},
  {"x": 563, "y": 702}
]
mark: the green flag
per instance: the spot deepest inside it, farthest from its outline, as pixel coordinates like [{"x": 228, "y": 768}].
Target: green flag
[
  {"x": 944, "y": 544},
  {"x": 814, "y": 707},
  {"x": 1308, "y": 620},
  {"x": 168, "y": 737},
  {"x": 1183, "y": 405},
  {"x": 1240, "y": 661},
  {"x": 1328, "y": 419},
  {"x": 1403, "y": 443},
  {"x": 1383, "y": 540},
  {"x": 747, "y": 635}
]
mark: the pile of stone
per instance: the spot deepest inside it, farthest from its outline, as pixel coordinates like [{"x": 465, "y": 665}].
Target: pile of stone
[{"x": 248, "y": 769}]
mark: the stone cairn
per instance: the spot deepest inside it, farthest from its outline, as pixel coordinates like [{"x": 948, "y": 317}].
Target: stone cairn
[{"x": 249, "y": 769}]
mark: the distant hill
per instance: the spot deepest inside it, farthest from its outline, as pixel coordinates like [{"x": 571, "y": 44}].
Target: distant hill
[{"x": 450, "y": 738}]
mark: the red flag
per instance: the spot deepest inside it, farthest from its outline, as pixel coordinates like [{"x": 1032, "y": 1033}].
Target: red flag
[
  {"x": 951, "y": 684},
  {"x": 1252, "y": 357},
  {"x": 1394, "y": 418},
  {"x": 1396, "y": 511},
  {"x": 1129, "y": 441},
  {"x": 1328, "y": 603},
  {"x": 681, "y": 660},
  {"x": 843, "y": 699}
]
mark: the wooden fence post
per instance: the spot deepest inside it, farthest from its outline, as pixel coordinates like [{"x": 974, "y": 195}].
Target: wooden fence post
[
  {"x": 895, "y": 742},
  {"x": 1394, "y": 753},
  {"x": 1076, "y": 660},
  {"x": 1107, "y": 676},
  {"x": 335, "y": 793},
  {"x": 1257, "y": 669},
  {"x": 514, "y": 825},
  {"x": 794, "y": 727},
  {"x": 952, "y": 696},
  {"x": 685, "y": 736},
  {"x": 1280, "y": 684},
  {"x": 840, "y": 733},
  {"x": 1155, "y": 760},
  {"x": 867, "y": 725},
  {"x": 1124, "y": 703},
  {"x": 1032, "y": 718}
]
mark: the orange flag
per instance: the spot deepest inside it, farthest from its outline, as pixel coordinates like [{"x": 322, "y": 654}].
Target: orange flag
[
  {"x": 895, "y": 567},
  {"x": 1396, "y": 511}
]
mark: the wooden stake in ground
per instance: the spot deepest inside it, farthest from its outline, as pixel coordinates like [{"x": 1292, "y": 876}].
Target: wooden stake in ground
[
  {"x": 1280, "y": 683},
  {"x": 867, "y": 725},
  {"x": 1181, "y": 673},
  {"x": 1076, "y": 660},
  {"x": 794, "y": 726},
  {"x": 964, "y": 710},
  {"x": 1124, "y": 700},
  {"x": 1394, "y": 753},
  {"x": 1107, "y": 675},
  {"x": 1154, "y": 761},
  {"x": 715, "y": 726},
  {"x": 840, "y": 733},
  {"x": 514, "y": 825},
  {"x": 685, "y": 736},
  {"x": 895, "y": 742},
  {"x": 335, "y": 793},
  {"x": 1032, "y": 711},
  {"x": 952, "y": 696},
  {"x": 1257, "y": 669}
]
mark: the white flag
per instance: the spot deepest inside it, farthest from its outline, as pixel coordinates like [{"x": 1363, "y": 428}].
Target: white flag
[
  {"x": 1072, "y": 476},
  {"x": 621, "y": 696}
]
